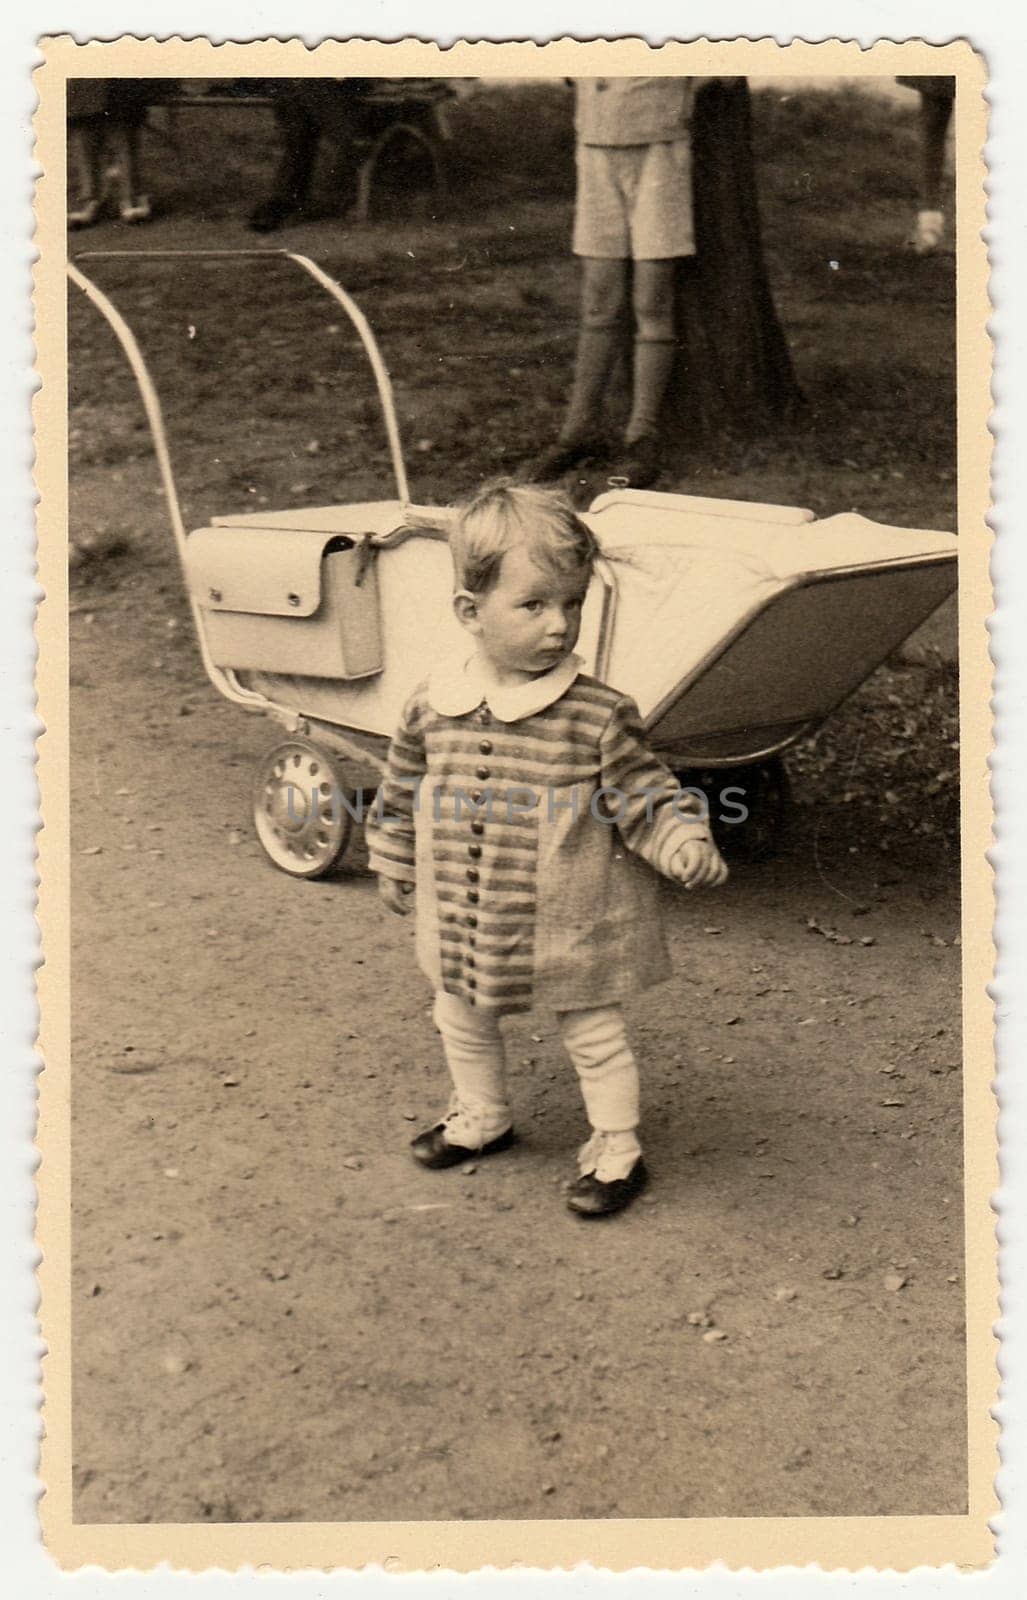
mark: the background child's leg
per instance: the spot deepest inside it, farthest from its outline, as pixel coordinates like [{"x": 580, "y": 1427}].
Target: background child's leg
[
  {"x": 604, "y": 289},
  {"x": 653, "y": 306},
  {"x": 85, "y": 154},
  {"x": 597, "y": 1044},
  {"x": 299, "y": 135},
  {"x": 934, "y": 118},
  {"x": 123, "y": 141},
  {"x": 477, "y": 1066},
  {"x": 935, "y": 115}
]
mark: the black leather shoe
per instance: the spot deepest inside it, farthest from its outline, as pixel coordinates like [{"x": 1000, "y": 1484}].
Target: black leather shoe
[
  {"x": 432, "y": 1149},
  {"x": 590, "y": 1197},
  {"x": 640, "y": 464},
  {"x": 561, "y": 457},
  {"x": 272, "y": 213}
]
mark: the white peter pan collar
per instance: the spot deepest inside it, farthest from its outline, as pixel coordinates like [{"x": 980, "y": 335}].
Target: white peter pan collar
[{"x": 458, "y": 686}]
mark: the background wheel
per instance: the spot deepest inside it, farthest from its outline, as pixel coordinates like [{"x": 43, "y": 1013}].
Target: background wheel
[
  {"x": 298, "y": 811},
  {"x": 764, "y": 795}
]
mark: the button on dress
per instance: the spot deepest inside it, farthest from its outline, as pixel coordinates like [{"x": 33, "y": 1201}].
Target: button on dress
[{"x": 534, "y": 868}]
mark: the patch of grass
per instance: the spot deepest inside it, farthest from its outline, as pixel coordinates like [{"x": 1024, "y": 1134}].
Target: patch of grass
[
  {"x": 883, "y": 772},
  {"x": 91, "y": 555}
]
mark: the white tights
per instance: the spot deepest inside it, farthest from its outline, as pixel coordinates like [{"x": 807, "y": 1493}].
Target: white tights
[{"x": 597, "y": 1044}]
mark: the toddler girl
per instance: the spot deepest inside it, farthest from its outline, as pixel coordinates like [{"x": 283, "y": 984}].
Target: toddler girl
[{"x": 522, "y": 802}]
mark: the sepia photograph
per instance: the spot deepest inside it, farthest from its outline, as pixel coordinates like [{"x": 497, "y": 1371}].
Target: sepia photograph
[{"x": 509, "y": 1034}]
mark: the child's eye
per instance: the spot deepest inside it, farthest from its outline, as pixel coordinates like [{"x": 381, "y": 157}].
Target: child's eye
[{"x": 534, "y": 606}]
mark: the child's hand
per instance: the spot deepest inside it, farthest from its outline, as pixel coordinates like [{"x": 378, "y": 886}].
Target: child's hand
[
  {"x": 698, "y": 865},
  {"x": 397, "y": 896}
]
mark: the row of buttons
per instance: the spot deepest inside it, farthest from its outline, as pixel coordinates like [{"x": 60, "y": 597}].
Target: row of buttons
[{"x": 474, "y": 851}]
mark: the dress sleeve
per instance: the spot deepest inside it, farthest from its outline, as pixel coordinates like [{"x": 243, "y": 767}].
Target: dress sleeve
[
  {"x": 652, "y": 812},
  {"x": 390, "y": 827}
]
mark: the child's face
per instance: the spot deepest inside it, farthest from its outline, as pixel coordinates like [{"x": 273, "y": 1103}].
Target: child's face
[{"x": 529, "y": 620}]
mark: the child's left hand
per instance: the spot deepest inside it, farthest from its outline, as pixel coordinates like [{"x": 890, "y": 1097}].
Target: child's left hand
[{"x": 698, "y": 865}]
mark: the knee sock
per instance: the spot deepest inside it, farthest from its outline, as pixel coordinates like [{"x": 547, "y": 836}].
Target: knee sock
[
  {"x": 598, "y": 1047},
  {"x": 653, "y": 362},
  {"x": 477, "y": 1066},
  {"x": 597, "y": 354}
]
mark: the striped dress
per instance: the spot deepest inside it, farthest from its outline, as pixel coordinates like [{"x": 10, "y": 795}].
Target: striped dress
[{"x": 530, "y": 819}]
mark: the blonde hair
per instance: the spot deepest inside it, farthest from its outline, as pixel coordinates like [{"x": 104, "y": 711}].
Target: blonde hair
[{"x": 505, "y": 514}]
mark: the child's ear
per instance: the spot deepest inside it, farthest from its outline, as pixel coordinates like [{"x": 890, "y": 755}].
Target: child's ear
[{"x": 465, "y": 607}]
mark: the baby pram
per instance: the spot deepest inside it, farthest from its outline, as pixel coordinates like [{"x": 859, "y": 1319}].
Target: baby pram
[{"x": 736, "y": 627}]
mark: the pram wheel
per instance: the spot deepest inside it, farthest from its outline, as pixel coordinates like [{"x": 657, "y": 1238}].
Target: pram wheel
[
  {"x": 298, "y": 809},
  {"x": 748, "y": 806}
]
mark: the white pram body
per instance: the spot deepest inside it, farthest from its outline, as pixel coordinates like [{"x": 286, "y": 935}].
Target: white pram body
[
  {"x": 733, "y": 626},
  {"x": 736, "y": 627}
]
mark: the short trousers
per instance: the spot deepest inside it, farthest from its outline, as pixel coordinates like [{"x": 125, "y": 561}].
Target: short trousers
[{"x": 634, "y": 201}]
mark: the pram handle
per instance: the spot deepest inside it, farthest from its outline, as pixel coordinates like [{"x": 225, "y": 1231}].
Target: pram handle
[{"x": 224, "y": 679}]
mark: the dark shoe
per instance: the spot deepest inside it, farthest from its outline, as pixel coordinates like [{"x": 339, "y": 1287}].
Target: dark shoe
[
  {"x": 590, "y": 1197},
  {"x": 432, "y": 1149},
  {"x": 561, "y": 457},
  {"x": 270, "y": 214},
  {"x": 640, "y": 464}
]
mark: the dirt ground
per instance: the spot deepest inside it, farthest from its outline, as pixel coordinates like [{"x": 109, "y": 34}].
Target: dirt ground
[{"x": 276, "y": 1314}]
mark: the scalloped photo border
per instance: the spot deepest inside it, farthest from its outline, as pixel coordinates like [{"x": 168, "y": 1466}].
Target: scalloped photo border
[{"x": 895, "y": 1543}]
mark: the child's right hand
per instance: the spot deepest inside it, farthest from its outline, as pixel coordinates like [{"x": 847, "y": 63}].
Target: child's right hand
[
  {"x": 698, "y": 865},
  {"x": 396, "y": 895}
]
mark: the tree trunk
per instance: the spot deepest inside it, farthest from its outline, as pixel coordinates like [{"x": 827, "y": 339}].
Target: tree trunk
[{"x": 733, "y": 373}]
